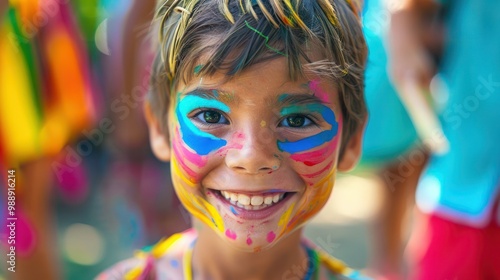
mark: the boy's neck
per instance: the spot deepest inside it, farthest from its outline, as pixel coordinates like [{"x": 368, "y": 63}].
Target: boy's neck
[{"x": 214, "y": 258}]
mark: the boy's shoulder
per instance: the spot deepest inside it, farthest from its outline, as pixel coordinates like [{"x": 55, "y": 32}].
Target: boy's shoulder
[{"x": 161, "y": 261}]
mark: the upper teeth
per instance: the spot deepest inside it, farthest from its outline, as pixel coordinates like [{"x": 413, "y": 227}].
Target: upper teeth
[{"x": 255, "y": 200}]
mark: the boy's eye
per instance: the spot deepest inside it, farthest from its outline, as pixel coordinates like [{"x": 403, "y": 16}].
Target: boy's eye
[
  {"x": 296, "y": 121},
  {"x": 211, "y": 117}
]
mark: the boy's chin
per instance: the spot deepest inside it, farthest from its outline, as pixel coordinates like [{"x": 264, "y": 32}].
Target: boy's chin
[
  {"x": 242, "y": 246},
  {"x": 256, "y": 244}
]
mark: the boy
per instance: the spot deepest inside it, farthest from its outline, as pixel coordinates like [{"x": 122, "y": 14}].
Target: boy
[{"x": 256, "y": 104}]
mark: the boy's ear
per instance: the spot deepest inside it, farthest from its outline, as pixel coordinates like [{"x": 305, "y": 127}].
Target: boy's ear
[
  {"x": 352, "y": 150},
  {"x": 159, "y": 141}
]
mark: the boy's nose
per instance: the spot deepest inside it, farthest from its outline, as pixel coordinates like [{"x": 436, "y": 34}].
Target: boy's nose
[{"x": 258, "y": 154}]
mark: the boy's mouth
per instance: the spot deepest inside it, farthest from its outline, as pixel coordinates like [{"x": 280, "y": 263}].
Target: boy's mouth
[{"x": 253, "y": 202}]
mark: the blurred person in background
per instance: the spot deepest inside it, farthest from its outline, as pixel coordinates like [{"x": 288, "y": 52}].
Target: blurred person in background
[
  {"x": 60, "y": 71},
  {"x": 457, "y": 232},
  {"x": 393, "y": 148},
  {"x": 390, "y": 145},
  {"x": 133, "y": 164}
]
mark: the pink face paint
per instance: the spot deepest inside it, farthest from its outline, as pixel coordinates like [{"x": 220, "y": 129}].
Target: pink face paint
[
  {"x": 271, "y": 236},
  {"x": 315, "y": 157},
  {"x": 320, "y": 93},
  {"x": 180, "y": 151},
  {"x": 249, "y": 241},
  {"x": 194, "y": 158},
  {"x": 316, "y": 174},
  {"x": 231, "y": 234},
  {"x": 234, "y": 143}
]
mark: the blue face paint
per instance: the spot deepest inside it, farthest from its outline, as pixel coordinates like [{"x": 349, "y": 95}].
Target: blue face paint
[
  {"x": 283, "y": 97},
  {"x": 233, "y": 210},
  {"x": 311, "y": 141},
  {"x": 201, "y": 142}
]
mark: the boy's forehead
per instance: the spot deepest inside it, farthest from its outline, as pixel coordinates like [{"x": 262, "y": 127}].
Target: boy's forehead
[
  {"x": 238, "y": 89},
  {"x": 306, "y": 94},
  {"x": 274, "y": 71}
]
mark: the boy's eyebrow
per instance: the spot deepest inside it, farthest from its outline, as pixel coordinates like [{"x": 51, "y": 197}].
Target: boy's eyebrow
[
  {"x": 212, "y": 94},
  {"x": 289, "y": 99}
]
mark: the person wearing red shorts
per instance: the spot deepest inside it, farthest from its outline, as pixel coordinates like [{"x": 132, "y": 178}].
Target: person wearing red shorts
[{"x": 458, "y": 233}]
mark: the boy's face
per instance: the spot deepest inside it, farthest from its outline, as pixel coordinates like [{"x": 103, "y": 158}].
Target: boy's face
[{"x": 255, "y": 157}]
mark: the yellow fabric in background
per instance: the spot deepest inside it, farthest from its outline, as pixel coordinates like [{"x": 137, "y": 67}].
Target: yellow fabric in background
[
  {"x": 18, "y": 120},
  {"x": 65, "y": 92}
]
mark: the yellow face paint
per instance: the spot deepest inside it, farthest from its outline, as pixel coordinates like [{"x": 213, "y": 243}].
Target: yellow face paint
[{"x": 227, "y": 166}]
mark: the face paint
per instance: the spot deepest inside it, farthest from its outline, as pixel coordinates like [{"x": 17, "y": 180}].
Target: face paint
[
  {"x": 315, "y": 200},
  {"x": 314, "y": 86},
  {"x": 193, "y": 201},
  {"x": 320, "y": 161},
  {"x": 234, "y": 143},
  {"x": 234, "y": 210},
  {"x": 201, "y": 142},
  {"x": 315, "y": 157},
  {"x": 185, "y": 156},
  {"x": 230, "y": 234},
  {"x": 186, "y": 163},
  {"x": 271, "y": 236},
  {"x": 311, "y": 141},
  {"x": 300, "y": 164}
]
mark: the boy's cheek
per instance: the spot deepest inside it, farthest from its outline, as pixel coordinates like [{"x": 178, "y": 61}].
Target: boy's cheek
[
  {"x": 313, "y": 200},
  {"x": 314, "y": 165},
  {"x": 190, "y": 162}
]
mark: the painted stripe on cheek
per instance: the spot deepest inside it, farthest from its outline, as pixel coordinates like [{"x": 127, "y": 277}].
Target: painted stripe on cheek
[
  {"x": 314, "y": 157},
  {"x": 182, "y": 154},
  {"x": 195, "y": 159},
  {"x": 315, "y": 140},
  {"x": 315, "y": 174},
  {"x": 201, "y": 142}
]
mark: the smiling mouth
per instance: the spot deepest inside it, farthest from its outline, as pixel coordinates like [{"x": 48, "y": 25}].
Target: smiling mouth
[{"x": 253, "y": 202}]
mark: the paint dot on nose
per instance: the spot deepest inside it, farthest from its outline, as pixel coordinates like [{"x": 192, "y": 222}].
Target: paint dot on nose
[
  {"x": 263, "y": 123},
  {"x": 249, "y": 241},
  {"x": 271, "y": 236}
]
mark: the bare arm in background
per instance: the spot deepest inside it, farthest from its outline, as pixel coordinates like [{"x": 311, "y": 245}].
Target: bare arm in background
[{"x": 412, "y": 37}]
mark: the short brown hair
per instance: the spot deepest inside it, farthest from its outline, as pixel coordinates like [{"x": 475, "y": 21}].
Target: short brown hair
[{"x": 239, "y": 33}]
